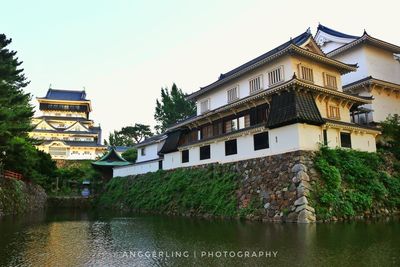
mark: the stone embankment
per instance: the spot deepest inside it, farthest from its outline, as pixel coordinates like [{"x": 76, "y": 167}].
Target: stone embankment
[
  {"x": 19, "y": 197},
  {"x": 282, "y": 183}
]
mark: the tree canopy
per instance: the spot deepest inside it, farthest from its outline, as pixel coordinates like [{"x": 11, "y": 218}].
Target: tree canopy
[
  {"x": 172, "y": 107},
  {"x": 391, "y": 134},
  {"x": 15, "y": 110},
  {"x": 129, "y": 135},
  {"x": 17, "y": 152},
  {"x": 130, "y": 155}
]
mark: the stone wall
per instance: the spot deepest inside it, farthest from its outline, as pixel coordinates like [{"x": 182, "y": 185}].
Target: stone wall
[
  {"x": 19, "y": 197},
  {"x": 276, "y": 188},
  {"x": 281, "y": 184}
]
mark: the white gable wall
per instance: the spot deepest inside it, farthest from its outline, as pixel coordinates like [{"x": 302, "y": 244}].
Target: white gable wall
[
  {"x": 372, "y": 61},
  {"x": 382, "y": 65},
  {"x": 354, "y": 56}
]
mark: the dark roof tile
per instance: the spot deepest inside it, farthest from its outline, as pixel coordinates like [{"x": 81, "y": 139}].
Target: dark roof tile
[
  {"x": 335, "y": 33},
  {"x": 71, "y": 95},
  {"x": 293, "y": 107}
]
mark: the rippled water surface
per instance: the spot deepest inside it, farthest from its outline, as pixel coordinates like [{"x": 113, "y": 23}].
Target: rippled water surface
[{"x": 76, "y": 238}]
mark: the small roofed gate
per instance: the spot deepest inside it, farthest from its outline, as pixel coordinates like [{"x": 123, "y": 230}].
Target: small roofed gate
[{"x": 106, "y": 164}]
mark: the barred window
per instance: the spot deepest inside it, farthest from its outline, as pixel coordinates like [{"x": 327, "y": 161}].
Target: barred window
[
  {"x": 307, "y": 73},
  {"x": 275, "y": 76},
  {"x": 255, "y": 84},
  {"x": 233, "y": 94},
  {"x": 330, "y": 81},
  {"x": 333, "y": 112}
]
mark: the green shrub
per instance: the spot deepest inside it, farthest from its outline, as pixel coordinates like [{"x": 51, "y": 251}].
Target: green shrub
[
  {"x": 200, "y": 191},
  {"x": 353, "y": 182}
]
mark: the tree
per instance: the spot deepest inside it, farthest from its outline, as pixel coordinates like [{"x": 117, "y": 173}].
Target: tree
[
  {"x": 129, "y": 135},
  {"x": 136, "y": 133},
  {"x": 117, "y": 139},
  {"x": 172, "y": 107},
  {"x": 390, "y": 138},
  {"x": 130, "y": 155},
  {"x": 17, "y": 150},
  {"x": 15, "y": 110}
]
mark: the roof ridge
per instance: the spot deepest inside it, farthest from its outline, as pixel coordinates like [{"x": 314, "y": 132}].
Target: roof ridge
[{"x": 335, "y": 32}]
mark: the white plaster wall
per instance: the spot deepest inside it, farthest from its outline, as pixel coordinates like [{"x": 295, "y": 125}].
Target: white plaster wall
[
  {"x": 151, "y": 152},
  {"x": 330, "y": 46},
  {"x": 333, "y": 136},
  {"x": 363, "y": 142},
  {"x": 359, "y": 141},
  {"x": 384, "y": 104},
  {"x": 353, "y": 56},
  {"x": 135, "y": 169},
  {"x": 281, "y": 140},
  {"x": 372, "y": 61},
  {"x": 381, "y": 64},
  {"x": 310, "y": 136},
  {"x": 218, "y": 97}
]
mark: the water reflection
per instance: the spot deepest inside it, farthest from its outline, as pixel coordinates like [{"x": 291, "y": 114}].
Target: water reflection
[{"x": 73, "y": 238}]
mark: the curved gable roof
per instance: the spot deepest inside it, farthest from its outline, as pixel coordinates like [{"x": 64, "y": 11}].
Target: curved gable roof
[
  {"x": 365, "y": 38},
  {"x": 333, "y": 32}
]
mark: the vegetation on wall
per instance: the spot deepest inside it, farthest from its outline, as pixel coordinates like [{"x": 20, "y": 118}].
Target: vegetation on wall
[
  {"x": 12, "y": 198},
  {"x": 353, "y": 183},
  {"x": 183, "y": 191}
]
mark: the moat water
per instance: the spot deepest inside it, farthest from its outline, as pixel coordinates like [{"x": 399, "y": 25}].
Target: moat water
[{"x": 76, "y": 238}]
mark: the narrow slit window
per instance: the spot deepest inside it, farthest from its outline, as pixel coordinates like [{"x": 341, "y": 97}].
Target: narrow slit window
[
  {"x": 307, "y": 73},
  {"x": 330, "y": 81},
  {"x": 255, "y": 84},
  {"x": 233, "y": 94},
  {"x": 275, "y": 76}
]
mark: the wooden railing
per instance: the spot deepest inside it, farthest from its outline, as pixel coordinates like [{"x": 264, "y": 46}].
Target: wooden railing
[{"x": 13, "y": 175}]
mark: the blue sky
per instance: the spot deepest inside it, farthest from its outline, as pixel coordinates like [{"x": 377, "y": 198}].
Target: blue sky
[{"x": 123, "y": 51}]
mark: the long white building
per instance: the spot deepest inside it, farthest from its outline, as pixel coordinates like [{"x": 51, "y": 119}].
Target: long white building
[{"x": 290, "y": 98}]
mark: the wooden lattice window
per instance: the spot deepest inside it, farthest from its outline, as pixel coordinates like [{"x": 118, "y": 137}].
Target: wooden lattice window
[{"x": 255, "y": 84}]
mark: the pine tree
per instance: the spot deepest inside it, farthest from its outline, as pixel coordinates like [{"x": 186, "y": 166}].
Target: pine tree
[
  {"x": 15, "y": 110},
  {"x": 172, "y": 108}
]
